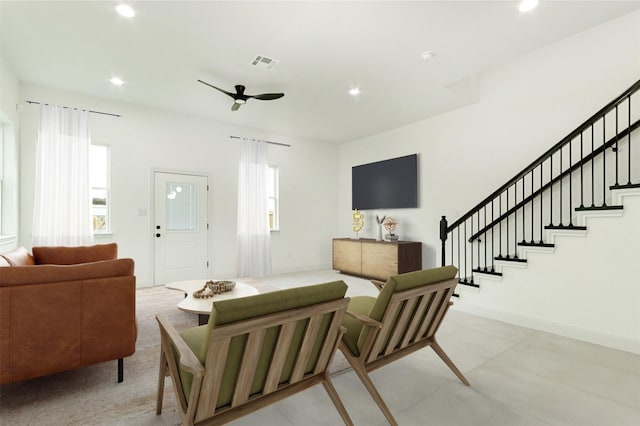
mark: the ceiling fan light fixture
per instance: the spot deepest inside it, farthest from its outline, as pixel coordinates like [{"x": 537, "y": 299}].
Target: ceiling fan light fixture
[
  {"x": 240, "y": 101},
  {"x": 354, "y": 91}
]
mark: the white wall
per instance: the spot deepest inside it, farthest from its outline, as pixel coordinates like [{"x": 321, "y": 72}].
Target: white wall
[
  {"x": 524, "y": 108},
  {"x": 9, "y": 155},
  {"x": 144, "y": 138}
]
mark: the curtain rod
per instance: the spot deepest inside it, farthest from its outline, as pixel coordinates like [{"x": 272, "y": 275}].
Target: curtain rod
[
  {"x": 94, "y": 112},
  {"x": 261, "y": 140}
]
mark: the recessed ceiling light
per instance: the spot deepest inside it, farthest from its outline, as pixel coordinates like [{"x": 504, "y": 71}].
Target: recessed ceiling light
[
  {"x": 528, "y": 5},
  {"x": 125, "y": 10},
  {"x": 116, "y": 81},
  {"x": 428, "y": 54},
  {"x": 354, "y": 91}
]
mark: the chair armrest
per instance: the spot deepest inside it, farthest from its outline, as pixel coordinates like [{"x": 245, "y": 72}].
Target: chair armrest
[
  {"x": 379, "y": 284},
  {"x": 364, "y": 319},
  {"x": 188, "y": 360}
]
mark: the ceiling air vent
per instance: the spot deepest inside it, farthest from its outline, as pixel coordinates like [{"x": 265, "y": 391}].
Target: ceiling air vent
[{"x": 264, "y": 62}]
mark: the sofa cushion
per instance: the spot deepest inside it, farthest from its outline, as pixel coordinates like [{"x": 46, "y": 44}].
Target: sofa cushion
[
  {"x": 19, "y": 257},
  {"x": 397, "y": 283},
  {"x": 233, "y": 310},
  {"x": 74, "y": 255}
]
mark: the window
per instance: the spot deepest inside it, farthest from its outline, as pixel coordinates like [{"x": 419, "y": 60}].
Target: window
[
  {"x": 272, "y": 198},
  {"x": 100, "y": 200}
]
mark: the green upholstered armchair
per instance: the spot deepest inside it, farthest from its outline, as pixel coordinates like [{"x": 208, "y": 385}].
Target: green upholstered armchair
[
  {"x": 254, "y": 351},
  {"x": 402, "y": 319}
]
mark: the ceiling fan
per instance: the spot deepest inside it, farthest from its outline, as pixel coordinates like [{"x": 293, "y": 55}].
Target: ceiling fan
[{"x": 239, "y": 98}]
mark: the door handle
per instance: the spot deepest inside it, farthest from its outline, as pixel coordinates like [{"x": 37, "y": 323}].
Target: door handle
[{"x": 158, "y": 235}]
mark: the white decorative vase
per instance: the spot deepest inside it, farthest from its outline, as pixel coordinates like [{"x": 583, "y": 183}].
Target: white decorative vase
[{"x": 379, "y": 236}]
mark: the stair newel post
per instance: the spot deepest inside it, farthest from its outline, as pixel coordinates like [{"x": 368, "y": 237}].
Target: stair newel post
[{"x": 443, "y": 239}]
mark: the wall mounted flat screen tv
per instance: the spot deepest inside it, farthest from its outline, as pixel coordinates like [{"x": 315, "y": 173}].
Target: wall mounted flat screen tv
[{"x": 388, "y": 184}]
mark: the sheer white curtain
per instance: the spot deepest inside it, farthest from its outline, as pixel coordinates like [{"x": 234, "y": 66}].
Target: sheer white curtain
[
  {"x": 62, "y": 209},
  {"x": 254, "y": 238}
]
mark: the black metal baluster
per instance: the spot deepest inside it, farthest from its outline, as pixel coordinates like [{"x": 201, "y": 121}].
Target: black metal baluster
[
  {"x": 515, "y": 221},
  {"x": 592, "y": 169},
  {"x": 459, "y": 265},
  {"x": 541, "y": 193},
  {"x": 500, "y": 225},
  {"x": 465, "y": 251},
  {"x": 485, "y": 238},
  {"x": 493, "y": 237},
  {"x": 507, "y": 241},
  {"x": 532, "y": 198},
  {"x": 616, "y": 148},
  {"x": 570, "y": 184},
  {"x": 581, "y": 171},
  {"x": 551, "y": 191},
  {"x": 604, "y": 162},
  {"x": 523, "y": 214},
  {"x": 561, "y": 180},
  {"x": 629, "y": 143}
]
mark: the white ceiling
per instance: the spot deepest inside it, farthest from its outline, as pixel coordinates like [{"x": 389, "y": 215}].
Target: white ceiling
[{"x": 324, "y": 48}]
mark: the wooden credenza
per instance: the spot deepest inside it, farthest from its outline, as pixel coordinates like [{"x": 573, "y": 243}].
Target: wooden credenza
[{"x": 376, "y": 259}]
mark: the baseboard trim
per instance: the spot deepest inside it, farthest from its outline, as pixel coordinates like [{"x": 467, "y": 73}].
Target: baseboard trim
[{"x": 554, "y": 327}]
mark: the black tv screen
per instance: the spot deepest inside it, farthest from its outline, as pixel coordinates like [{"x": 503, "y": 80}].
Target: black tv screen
[{"x": 389, "y": 184}]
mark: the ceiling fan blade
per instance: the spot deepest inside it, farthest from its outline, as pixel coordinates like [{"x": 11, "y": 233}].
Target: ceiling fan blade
[
  {"x": 268, "y": 96},
  {"x": 233, "y": 95},
  {"x": 235, "y": 106}
]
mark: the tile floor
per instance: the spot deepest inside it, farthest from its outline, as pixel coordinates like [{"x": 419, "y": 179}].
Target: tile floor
[{"x": 518, "y": 376}]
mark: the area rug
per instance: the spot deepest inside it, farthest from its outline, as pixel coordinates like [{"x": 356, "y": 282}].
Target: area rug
[{"x": 92, "y": 396}]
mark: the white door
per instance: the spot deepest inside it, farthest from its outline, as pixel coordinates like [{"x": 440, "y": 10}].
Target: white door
[{"x": 180, "y": 229}]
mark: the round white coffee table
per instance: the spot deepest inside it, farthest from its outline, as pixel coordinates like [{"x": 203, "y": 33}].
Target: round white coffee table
[{"x": 202, "y": 307}]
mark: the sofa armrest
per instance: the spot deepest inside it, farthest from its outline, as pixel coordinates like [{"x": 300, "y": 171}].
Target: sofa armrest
[{"x": 22, "y": 275}]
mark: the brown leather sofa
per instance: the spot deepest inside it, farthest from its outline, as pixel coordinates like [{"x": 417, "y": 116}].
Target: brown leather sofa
[{"x": 63, "y": 308}]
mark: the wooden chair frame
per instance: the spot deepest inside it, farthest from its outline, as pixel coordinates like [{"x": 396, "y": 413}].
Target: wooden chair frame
[
  {"x": 201, "y": 409},
  {"x": 409, "y": 324}
]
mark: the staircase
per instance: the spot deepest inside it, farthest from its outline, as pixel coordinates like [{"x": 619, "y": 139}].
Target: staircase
[{"x": 587, "y": 174}]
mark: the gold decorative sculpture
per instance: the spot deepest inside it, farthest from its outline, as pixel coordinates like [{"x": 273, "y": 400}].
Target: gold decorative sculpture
[
  {"x": 390, "y": 224},
  {"x": 358, "y": 222}
]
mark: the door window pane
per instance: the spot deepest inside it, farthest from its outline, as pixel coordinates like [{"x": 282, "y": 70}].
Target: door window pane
[{"x": 182, "y": 206}]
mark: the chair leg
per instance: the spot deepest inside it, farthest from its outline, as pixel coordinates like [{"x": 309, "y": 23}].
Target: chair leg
[
  {"x": 120, "y": 370},
  {"x": 161, "y": 375},
  {"x": 437, "y": 349},
  {"x": 331, "y": 390},
  {"x": 366, "y": 381}
]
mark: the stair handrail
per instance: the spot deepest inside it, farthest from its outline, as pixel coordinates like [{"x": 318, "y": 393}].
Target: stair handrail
[{"x": 564, "y": 141}]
